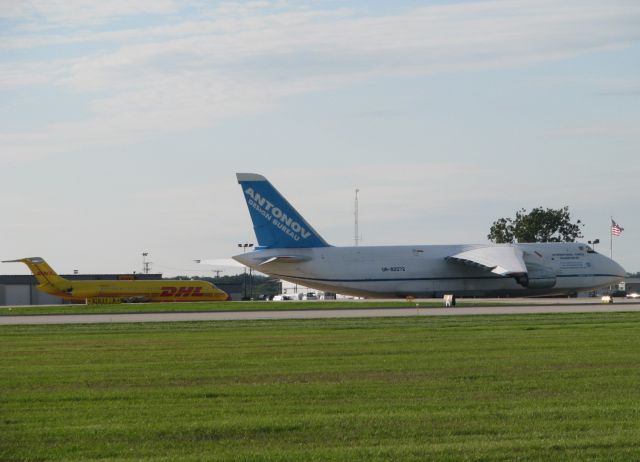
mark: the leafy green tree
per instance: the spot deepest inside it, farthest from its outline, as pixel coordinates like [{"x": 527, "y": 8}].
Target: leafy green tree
[{"x": 539, "y": 225}]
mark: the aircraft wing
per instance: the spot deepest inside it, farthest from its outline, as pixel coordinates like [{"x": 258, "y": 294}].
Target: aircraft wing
[{"x": 502, "y": 260}]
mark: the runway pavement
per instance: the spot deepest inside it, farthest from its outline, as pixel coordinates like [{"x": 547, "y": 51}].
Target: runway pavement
[{"x": 314, "y": 314}]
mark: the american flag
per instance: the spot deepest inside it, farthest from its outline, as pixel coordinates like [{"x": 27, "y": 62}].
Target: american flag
[{"x": 616, "y": 229}]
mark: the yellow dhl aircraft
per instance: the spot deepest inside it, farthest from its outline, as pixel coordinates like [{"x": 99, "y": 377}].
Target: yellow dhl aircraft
[{"x": 127, "y": 291}]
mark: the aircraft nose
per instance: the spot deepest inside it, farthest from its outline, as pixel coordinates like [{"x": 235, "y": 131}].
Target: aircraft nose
[
  {"x": 618, "y": 269},
  {"x": 615, "y": 269}
]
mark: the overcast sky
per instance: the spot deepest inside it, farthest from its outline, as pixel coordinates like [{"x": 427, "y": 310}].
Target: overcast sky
[{"x": 122, "y": 123}]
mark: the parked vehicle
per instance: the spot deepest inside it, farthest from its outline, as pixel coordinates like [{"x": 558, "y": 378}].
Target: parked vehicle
[
  {"x": 310, "y": 296},
  {"x": 618, "y": 293},
  {"x": 282, "y": 297}
]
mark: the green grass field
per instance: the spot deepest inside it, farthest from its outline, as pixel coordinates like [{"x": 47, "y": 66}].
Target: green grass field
[
  {"x": 528, "y": 387},
  {"x": 232, "y": 306}
]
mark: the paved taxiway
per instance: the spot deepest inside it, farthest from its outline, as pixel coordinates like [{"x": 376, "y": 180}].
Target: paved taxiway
[{"x": 315, "y": 314}]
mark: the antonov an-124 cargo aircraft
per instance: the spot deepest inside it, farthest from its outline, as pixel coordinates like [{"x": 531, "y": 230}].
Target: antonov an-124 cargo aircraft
[{"x": 290, "y": 249}]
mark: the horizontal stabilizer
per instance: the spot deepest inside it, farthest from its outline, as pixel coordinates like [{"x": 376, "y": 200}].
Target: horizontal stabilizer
[
  {"x": 502, "y": 260},
  {"x": 21, "y": 260},
  {"x": 285, "y": 259},
  {"x": 221, "y": 262}
]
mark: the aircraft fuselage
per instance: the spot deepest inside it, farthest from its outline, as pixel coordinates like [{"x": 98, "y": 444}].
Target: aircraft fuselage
[
  {"x": 423, "y": 271},
  {"x": 137, "y": 290}
]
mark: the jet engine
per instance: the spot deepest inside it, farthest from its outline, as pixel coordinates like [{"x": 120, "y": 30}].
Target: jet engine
[
  {"x": 537, "y": 277},
  {"x": 80, "y": 294}
]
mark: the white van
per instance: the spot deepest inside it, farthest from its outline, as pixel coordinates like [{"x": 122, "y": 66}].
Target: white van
[{"x": 281, "y": 297}]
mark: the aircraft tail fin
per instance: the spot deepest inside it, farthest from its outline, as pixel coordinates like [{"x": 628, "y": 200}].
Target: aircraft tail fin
[
  {"x": 45, "y": 275},
  {"x": 276, "y": 222}
]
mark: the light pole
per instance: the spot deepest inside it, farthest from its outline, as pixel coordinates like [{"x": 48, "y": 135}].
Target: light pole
[
  {"x": 244, "y": 278},
  {"x": 593, "y": 249}
]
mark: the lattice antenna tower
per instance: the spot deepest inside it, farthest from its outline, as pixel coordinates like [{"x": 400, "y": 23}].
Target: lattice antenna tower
[{"x": 356, "y": 235}]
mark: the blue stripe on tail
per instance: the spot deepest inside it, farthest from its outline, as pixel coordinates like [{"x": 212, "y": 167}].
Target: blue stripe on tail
[{"x": 276, "y": 223}]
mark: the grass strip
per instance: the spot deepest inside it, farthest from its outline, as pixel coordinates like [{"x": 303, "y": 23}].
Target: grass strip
[{"x": 526, "y": 387}]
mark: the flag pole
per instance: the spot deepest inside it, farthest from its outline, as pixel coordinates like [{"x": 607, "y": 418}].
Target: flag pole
[
  {"x": 611, "y": 247},
  {"x": 611, "y": 239}
]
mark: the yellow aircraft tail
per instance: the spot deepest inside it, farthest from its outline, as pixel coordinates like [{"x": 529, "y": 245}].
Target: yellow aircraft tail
[{"x": 44, "y": 274}]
